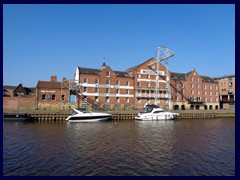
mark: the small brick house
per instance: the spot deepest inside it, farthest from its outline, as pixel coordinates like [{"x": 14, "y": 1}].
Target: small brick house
[{"x": 52, "y": 94}]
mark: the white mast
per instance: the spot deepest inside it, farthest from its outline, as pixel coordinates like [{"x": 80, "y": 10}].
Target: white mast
[
  {"x": 157, "y": 76},
  {"x": 163, "y": 53}
]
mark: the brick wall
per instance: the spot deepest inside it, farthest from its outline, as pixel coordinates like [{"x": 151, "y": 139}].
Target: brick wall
[{"x": 19, "y": 103}]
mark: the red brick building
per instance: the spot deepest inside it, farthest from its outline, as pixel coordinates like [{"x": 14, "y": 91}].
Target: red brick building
[
  {"x": 193, "y": 91},
  {"x": 109, "y": 88},
  {"x": 52, "y": 94},
  {"x": 144, "y": 81},
  {"x": 133, "y": 88},
  {"x": 226, "y": 91}
]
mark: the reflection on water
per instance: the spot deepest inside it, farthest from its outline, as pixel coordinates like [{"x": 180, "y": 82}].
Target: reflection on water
[{"x": 172, "y": 148}]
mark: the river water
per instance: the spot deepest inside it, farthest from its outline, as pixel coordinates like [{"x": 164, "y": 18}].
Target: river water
[{"x": 191, "y": 147}]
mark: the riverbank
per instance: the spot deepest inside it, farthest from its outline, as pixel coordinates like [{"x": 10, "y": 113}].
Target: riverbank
[{"x": 59, "y": 116}]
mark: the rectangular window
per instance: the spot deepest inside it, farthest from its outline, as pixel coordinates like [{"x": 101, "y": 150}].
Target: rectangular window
[
  {"x": 192, "y": 92},
  {"x": 117, "y": 83},
  {"x": 127, "y": 83},
  {"x": 139, "y": 75},
  {"x": 198, "y": 92},
  {"x": 84, "y": 89},
  {"x": 148, "y": 84},
  {"x": 182, "y": 98},
  {"x": 96, "y": 81},
  {"x": 117, "y": 99},
  {"x": 138, "y": 84},
  {"x": 127, "y": 91},
  {"x": 53, "y": 97},
  {"x": 96, "y": 99},
  {"x": 210, "y": 87},
  {"x": 176, "y": 84},
  {"x": 108, "y": 74},
  {"x": 127, "y": 99},
  {"x": 197, "y": 79},
  {"x": 96, "y": 90},
  {"x": 138, "y": 100},
  {"x": 117, "y": 91},
  {"x": 107, "y": 99},
  {"x": 107, "y": 90},
  {"x": 176, "y": 98},
  {"x": 182, "y": 85},
  {"x": 192, "y": 85},
  {"x": 85, "y": 98},
  {"x": 148, "y": 76},
  {"x": 107, "y": 82},
  {"x": 85, "y": 80},
  {"x": 43, "y": 97},
  {"x": 63, "y": 97}
]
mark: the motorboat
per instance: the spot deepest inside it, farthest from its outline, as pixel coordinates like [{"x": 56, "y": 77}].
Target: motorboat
[
  {"x": 17, "y": 117},
  {"x": 154, "y": 113},
  {"x": 84, "y": 115}
]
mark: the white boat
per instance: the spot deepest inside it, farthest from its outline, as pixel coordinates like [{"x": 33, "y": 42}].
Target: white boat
[
  {"x": 155, "y": 113},
  {"x": 84, "y": 115}
]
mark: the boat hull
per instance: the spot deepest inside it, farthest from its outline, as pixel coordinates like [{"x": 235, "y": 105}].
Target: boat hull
[
  {"x": 156, "y": 117},
  {"x": 17, "y": 118},
  {"x": 88, "y": 118}
]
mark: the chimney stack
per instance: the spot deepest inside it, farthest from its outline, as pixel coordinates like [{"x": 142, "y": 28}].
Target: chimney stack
[{"x": 53, "y": 78}]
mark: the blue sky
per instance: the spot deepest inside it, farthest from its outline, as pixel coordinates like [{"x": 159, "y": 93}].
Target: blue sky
[{"x": 44, "y": 40}]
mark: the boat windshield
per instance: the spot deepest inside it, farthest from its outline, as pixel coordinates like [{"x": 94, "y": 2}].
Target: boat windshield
[
  {"x": 84, "y": 110},
  {"x": 146, "y": 110}
]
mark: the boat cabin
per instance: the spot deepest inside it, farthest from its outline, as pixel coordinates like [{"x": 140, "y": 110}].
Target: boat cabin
[{"x": 149, "y": 108}]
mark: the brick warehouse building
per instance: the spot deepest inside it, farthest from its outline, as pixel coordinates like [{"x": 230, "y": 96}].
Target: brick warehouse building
[
  {"x": 131, "y": 89},
  {"x": 52, "y": 94},
  {"x": 193, "y": 91},
  {"x": 111, "y": 89},
  {"x": 227, "y": 91}
]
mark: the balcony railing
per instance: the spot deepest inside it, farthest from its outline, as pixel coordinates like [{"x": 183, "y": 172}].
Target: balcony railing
[
  {"x": 196, "y": 101},
  {"x": 145, "y": 95},
  {"x": 228, "y": 100}
]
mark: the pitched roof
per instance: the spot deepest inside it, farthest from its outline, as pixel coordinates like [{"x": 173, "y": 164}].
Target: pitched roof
[
  {"x": 182, "y": 76},
  {"x": 208, "y": 79},
  {"x": 122, "y": 74},
  {"x": 83, "y": 70},
  {"x": 179, "y": 76},
  {"x": 135, "y": 67},
  {"x": 49, "y": 84},
  {"x": 225, "y": 76},
  {"x": 9, "y": 87}
]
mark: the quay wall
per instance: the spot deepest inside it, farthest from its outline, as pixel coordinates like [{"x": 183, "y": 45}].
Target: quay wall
[{"x": 41, "y": 116}]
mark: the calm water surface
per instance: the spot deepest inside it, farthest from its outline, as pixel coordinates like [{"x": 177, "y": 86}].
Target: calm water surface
[{"x": 135, "y": 148}]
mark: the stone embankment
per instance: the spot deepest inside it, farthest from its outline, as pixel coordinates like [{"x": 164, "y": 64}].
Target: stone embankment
[{"x": 60, "y": 116}]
